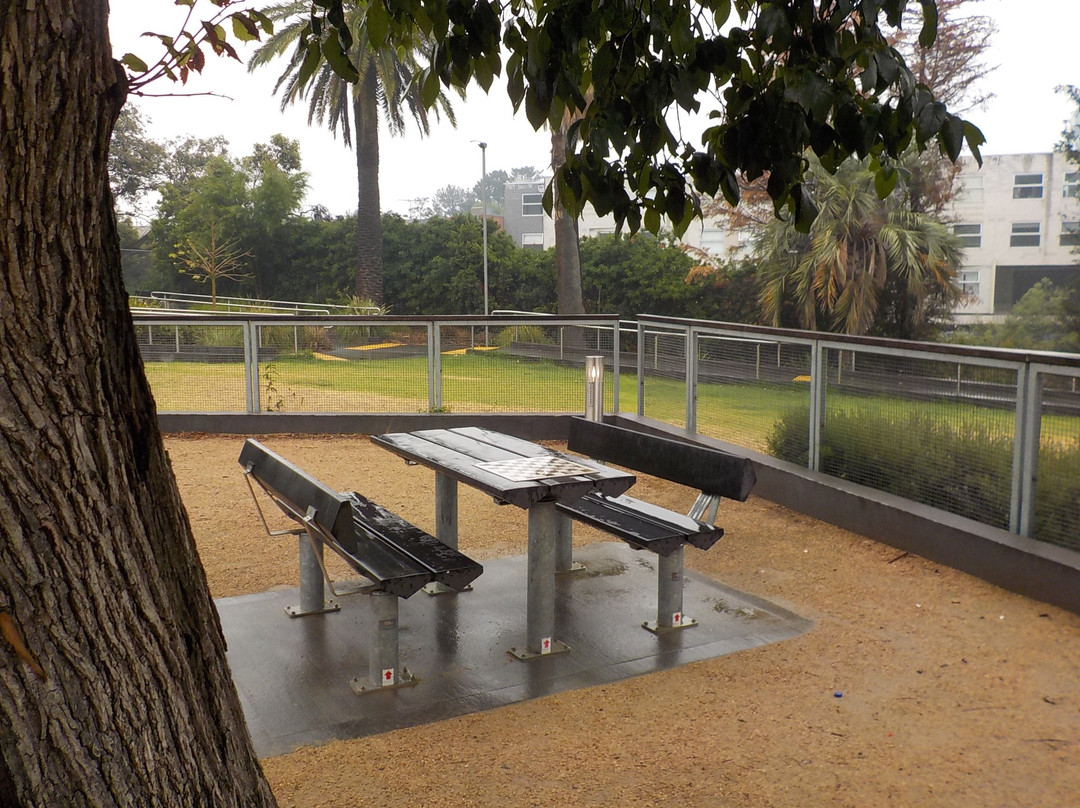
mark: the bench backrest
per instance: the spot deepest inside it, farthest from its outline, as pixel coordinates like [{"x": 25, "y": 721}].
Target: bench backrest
[
  {"x": 299, "y": 490},
  {"x": 709, "y": 470}
]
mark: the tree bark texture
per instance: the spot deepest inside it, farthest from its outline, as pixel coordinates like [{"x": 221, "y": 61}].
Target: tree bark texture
[
  {"x": 369, "y": 266},
  {"x": 114, "y": 688}
]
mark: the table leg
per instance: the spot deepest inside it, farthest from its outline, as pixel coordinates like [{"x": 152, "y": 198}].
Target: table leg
[
  {"x": 564, "y": 545},
  {"x": 446, "y": 510},
  {"x": 446, "y": 522},
  {"x": 540, "y": 604}
]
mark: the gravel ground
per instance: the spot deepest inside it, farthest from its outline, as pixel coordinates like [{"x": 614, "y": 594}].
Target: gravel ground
[{"x": 953, "y": 692}]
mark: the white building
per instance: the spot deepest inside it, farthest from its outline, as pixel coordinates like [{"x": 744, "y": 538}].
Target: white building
[
  {"x": 1018, "y": 216},
  {"x": 1019, "y": 219}
]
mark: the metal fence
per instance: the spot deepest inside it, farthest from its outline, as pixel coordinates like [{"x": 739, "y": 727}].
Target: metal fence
[
  {"x": 992, "y": 435},
  {"x": 988, "y": 434},
  {"x": 258, "y": 364}
]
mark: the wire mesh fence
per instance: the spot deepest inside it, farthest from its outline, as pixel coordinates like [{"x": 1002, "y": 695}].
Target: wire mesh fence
[
  {"x": 661, "y": 356},
  {"x": 936, "y": 432},
  {"x": 1057, "y": 483},
  {"x": 343, "y": 367},
  {"x": 746, "y": 387},
  {"x": 520, "y": 367},
  {"x": 195, "y": 367},
  {"x": 995, "y": 439}
]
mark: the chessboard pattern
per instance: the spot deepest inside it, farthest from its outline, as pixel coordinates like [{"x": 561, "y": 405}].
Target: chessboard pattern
[{"x": 521, "y": 469}]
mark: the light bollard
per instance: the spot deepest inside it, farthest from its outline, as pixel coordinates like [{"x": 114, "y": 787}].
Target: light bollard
[{"x": 594, "y": 388}]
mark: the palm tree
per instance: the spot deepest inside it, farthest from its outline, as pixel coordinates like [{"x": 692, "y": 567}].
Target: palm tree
[
  {"x": 384, "y": 83},
  {"x": 867, "y": 265}
]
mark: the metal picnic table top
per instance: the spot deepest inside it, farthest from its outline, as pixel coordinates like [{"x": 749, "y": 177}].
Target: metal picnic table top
[{"x": 510, "y": 469}]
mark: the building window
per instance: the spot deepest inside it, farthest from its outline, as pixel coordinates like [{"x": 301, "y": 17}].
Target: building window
[
  {"x": 532, "y": 240},
  {"x": 1070, "y": 234},
  {"x": 1071, "y": 185},
  {"x": 971, "y": 188},
  {"x": 532, "y": 204},
  {"x": 1024, "y": 234},
  {"x": 970, "y": 234},
  {"x": 1027, "y": 186},
  {"x": 969, "y": 283}
]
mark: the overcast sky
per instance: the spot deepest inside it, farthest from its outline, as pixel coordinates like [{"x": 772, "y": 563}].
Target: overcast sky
[{"x": 1035, "y": 48}]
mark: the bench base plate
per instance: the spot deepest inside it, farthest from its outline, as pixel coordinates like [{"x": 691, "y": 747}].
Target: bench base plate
[
  {"x": 655, "y": 627},
  {"x": 363, "y": 687},
  {"x": 328, "y": 606},
  {"x": 556, "y": 648}
]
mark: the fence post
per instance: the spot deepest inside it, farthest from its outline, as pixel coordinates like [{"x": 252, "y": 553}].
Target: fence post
[
  {"x": 434, "y": 342},
  {"x": 1025, "y": 450},
  {"x": 640, "y": 368},
  {"x": 691, "y": 379},
  {"x": 818, "y": 382},
  {"x": 615, "y": 366},
  {"x": 251, "y": 367}
]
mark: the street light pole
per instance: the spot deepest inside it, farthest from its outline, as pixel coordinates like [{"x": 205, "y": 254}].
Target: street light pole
[{"x": 483, "y": 192}]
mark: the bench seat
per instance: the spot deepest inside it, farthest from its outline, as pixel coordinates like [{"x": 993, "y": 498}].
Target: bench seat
[
  {"x": 642, "y": 525},
  {"x": 397, "y": 556}
]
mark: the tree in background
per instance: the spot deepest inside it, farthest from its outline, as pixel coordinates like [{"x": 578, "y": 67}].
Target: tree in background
[
  {"x": 1046, "y": 318},
  {"x": 208, "y": 260},
  {"x": 136, "y": 163},
  {"x": 380, "y": 77},
  {"x": 246, "y": 202},
  {"x": 868, "y": 265},
  {"x": 954, "y": 68},
  {"x": 434, "y": 267}
]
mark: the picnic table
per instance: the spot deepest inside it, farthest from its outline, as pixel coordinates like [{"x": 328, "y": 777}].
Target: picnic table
[{"x": 516, "y": 472}]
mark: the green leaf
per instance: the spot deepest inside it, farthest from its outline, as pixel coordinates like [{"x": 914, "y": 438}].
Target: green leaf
[
  {"x": 337, "y": 59},
  {"x": 930, "y": 120},
  {"x": 652, "y": 220},
  {"x": 930, "y": 23},
  {"x": 952, "y": 136},
  {"x": 885, "y": 180},
  {"x": 134, "y": 63},
  {"x": 805, "y": 209},
  {"x": 244, "y": 29},
  {"x": 429, "y": 88},
  {"x": 377, "y": 24},
  {"x": 311, "y": 62},
  {"x": 974, "y": 137}
]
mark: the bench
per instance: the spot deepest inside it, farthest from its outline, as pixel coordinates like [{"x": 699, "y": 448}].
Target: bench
[
  {"x": 645, "y": 526},
  {"x": 397, "y": 557}
]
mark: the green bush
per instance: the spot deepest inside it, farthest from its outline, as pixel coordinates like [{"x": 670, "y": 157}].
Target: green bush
[
  {"x": 534, "y": 334},
  {"x": 965, "y": 469}
]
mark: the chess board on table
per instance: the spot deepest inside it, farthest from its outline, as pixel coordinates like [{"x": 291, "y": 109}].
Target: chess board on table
[{"x": 521, "y": 469}]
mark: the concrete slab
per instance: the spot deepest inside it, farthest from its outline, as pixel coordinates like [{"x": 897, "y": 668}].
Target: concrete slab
[{"x": 293, "y": 673}]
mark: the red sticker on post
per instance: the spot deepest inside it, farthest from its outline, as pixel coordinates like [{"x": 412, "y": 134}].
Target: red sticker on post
[
  {"x": 545, "y": 645},
  {"x": 676, "y": 619},
  {"x": 387, "y": 677}
]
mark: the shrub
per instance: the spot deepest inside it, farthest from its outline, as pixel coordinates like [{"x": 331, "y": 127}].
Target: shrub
[
  {"x": 534, "y": 334},
  {"x": 963, "y": 468}
]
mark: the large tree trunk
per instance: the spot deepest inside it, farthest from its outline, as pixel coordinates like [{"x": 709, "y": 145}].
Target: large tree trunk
[
  {"x": 369, "y": 268},
  {"x": 114, "y": 689},
  {"x": 567, "y": 256}
]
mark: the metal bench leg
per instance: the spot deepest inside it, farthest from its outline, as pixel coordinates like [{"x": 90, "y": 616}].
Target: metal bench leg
[
  {"x": 564, "y": 545},
  {"x": 383, "y": 671},
  {"x": 313, "y": 598},
  {"x": 669, "y": 595},
  {"x": 540, "y": 605},
  {"x": 446, "y": 523}
]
